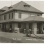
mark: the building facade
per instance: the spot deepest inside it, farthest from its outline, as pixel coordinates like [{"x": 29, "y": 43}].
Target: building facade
[{"x": 21, "y": 16}]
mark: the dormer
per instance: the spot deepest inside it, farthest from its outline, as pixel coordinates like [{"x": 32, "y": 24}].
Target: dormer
[
  {"x": 10, "y": 7},
  {"x": 26, "y": 5},
  {"x": 1, "y": 11}
]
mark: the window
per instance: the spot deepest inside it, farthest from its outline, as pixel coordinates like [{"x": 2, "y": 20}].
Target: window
[
  {"x": 26, "y": 5},
  {"x": 0, "y": 17},
  {"x": 0, "y": 25},
  {"x": 12, "y": 15},
  {"x": 4, "y": 17},
  {"x": 9, "y": 16},
  {"x": 10, "y": 7},
  {"x": 19, "y": 15}
]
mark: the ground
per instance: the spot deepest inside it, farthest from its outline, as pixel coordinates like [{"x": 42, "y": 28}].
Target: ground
[{"x": 6, "y": 37}]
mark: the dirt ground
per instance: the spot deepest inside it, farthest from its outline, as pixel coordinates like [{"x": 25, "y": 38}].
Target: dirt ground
[{"x": 6, "y": 37}]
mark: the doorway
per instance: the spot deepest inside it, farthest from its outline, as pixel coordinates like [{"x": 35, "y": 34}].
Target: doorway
[
  {"x": 39, "y": 30},
  {"x": 4, "y": 27}
]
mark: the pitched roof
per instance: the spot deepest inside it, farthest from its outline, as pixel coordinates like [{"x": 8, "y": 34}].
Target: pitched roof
[
  {"x": 2, "y": 10},
  {"x": 34, "y": 18},
  {"x": 29, "y": 19},
  {"x": 20, "y": 6},
  {"x": 13, "y": 20},
  {"x": 5, "y": 8}
]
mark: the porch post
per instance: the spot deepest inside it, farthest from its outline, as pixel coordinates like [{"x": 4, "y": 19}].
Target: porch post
[
  {"x": 41, "y": 28},
  {"x": 27, "y": 25},
  {"x": 23, "y": 27},
  {"x": 27, "y": 29},
  {"x": 34, "y": 27},
  {"x": 0, "y": 27},
  {"x": 16, "y": 25}
]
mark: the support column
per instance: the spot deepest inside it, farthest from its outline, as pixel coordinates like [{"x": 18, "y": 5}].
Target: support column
[
  {"x": 22, "y": 27},
  {"x": 13, "y": 27},
  {"x": 27, "y": 29},
  {"x": 41, "y": 28},
  {"x": 16, "y": 27},
  {"x": 0, "y": 27},
  {"x": 27, "y": 25},
  {"x": 34, "y": 27}
]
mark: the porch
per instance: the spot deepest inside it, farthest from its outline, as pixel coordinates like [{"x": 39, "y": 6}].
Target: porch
[{"x": 36, "y": 27}]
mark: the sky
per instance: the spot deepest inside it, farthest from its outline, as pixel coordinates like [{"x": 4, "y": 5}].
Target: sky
[{"x": 37, "y": 4}]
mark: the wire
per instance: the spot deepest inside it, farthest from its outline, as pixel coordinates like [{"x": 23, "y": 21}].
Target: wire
[{"x": 11, "y": 2}]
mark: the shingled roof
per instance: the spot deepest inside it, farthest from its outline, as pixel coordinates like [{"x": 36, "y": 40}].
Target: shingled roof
[
  {"x": 5, "y": 8},
  {"x": 29, "y": 19},
  {"x": 23, "y": 7},
  {"x": 34, "y": 18}
]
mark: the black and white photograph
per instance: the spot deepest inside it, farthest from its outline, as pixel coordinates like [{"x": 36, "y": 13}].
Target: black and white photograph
[{"x": 21, "y": 21}]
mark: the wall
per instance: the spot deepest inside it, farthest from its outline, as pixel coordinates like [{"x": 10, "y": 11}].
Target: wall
[
  {"x": 25, "y": 15},
  {"x": 34, "y": 27},
  {"x": 7, "y": 16},
  {"x": 16, "y": 14}
]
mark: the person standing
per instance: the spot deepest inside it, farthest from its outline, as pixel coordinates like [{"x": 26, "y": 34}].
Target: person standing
[{"x": 28, "y": 33}]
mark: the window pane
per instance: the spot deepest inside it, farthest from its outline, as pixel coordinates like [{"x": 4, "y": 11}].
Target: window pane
[
  {"x": 12, "y": 15},
  {"x": 0, "y": 17},
  {"x": 19, "y": 15},
  {"x": 4, "y": 17},
  {"x": 9, "y": 16}
]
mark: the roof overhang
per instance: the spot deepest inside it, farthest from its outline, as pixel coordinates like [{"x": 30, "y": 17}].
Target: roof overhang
[{"x": 20, "y": 10}]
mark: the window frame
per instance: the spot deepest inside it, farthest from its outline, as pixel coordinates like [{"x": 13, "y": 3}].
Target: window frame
[
  {"x": 19, "y": 15},
  {"x": 9, "y": 16},
  {"x": 12, "y": 15},
  {"x": 4, "y": 17}
]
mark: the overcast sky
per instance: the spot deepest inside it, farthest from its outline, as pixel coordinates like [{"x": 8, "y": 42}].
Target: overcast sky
[{"x": 37, "y": 4}]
